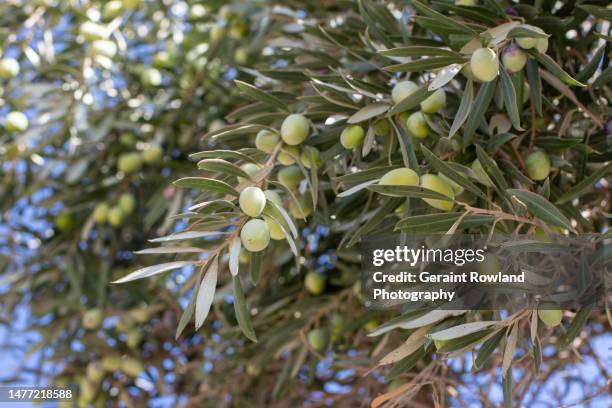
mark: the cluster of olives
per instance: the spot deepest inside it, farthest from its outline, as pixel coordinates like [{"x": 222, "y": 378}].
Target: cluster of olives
[
  {"x": 438, "y": 183},
  {"x": 416, "y": 122},
  {"x": 115, "y": 215},
  {"x": 484, "y": 62},
  {"x": 132, "y": 162}
]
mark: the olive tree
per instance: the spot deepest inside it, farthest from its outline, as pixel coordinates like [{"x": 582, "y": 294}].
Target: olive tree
[{"x": 358, "y": 118}]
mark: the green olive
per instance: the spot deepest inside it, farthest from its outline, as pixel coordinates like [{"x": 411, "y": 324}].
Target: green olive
[
  {"x": 317, "y": 339},
  {"x": 105, "y": 48},
  {"x": 434, "y": 102},
  {"x": 266, "y": 140},
  {"x": 100, "y": 213},
  {"x": 93, "y": 31},
  {"x": 514, "y": 59},
  {"x": 417, "y": 125},
  {"x": 131, "y": 4},
  {"x": 484, "y": 64},
  {"x": 255, "y": 235},
  {"x": 295, "y": 129},
  {"x": 152, "y": 153},
  {"x": 310, "y": 157},
  {"x": 65, "y": 221},
  {"x": 252, "y": 201},
  {"x": 151, "y": 77},
  {"x": 400, "y": 177},
  {"x": 437, "y": 184},
  {"x": 538, "y": 165},
  {"x": 131, "y": 367},
  {"x": 112, "y": 9},
  {"x": 250, "y": 169},
  {"x": 352, "y": 136},
  {"x": 314, "y": 283},
  {"x": 288, "y": 155},
  {"x": 276, "y": 231},
  {"x": 127, "y": 203},
  {"x": 290, "y": 176},
  {"x": 115, "y": 216},
  {"x": 129, "y": 162},
  {"x": 550, "y": 315},
  {"x": 304, "y": 203},
  {"x": 402, "y": 90}
]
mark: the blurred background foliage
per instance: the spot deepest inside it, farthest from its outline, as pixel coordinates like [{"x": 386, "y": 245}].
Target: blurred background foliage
[{"x": 117, "y": 95}]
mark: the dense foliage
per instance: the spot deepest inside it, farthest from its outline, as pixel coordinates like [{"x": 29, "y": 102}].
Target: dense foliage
[{"x": 291, "y": 132}]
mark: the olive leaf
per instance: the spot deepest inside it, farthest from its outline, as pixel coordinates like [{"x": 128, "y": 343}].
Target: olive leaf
[
  {"x": 153, "y": 270},
  {"x": 542, "y": 208},
  {"x": 206, "y": 293},
  {"x": 242, "y": 312}
]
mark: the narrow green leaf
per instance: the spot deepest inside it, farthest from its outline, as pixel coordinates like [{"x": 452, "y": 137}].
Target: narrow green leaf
[
  {"x": 255, "y": 266},
  {"x": 461, "y": 330},
  {"x": 222, "y": 166},
  {"x": 419, "y": 51},
  {"x": 487, "y": 348},
  {"x": 405, "y": 364},
  {"x": 206, "y": 293},
  {"x": 509, "y": 95},
  {"x": 576, "y": 325},
  {"x": 207, "y": 184},
  {"x": 241, "y": 309},
  {"x": 424, "y": 9},
  {"x": 465, "y": 106},
  {"x": 425, "y": 64},
  {"x": 260, "y": 95},
  {"x": 452, "y": 174},
  {"x": 542, "y": 208},
  {"x": 550, "y": 64},
  {"x": 153, "y": 270},
  {"x": 441, "y": 222},
  {"x": 591, "y": 67},
  {"x": 480, "y": 106},
  {"x": 368, "y": 112},
  {"x": 187, "y": 313},
  {"x": 498, "y": 141},
  {"x": 535, "y": 84},
  {"x": 584, "y": 185},
  {"x": 507, "y": 388},
  {"x": 411, "y": 101},
  {"x": 407, "y": 191},
  {"x": 222, "y": 154}
]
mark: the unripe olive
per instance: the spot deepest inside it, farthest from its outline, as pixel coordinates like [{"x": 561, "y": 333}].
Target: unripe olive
[
  {"x": 151, "y": 77},
  {"x": 9, "y": 68},
  {"x": 352, "y": 136},
  {"x": 217, "y": 33},
  {"x": 16, "y": 122},
  {"x": 437, "y": 184},
  {"x": 131, "y": 367},
  {"x": 252, "y": 201},
  {"x": 317, "y": 338},
  {"x": 253, "y": 370},
  {"x": 434, "y": 102},
  {"x": 255, "y": 235},
  {"x": 484, "y": 64},
  {"x": 295, "y": 129},
  {"x": 266, "y": 140},
  {"x": 310, "y": 157},
  {"x": 250, "y": 169},
  {"x": 238, "y": 30},
  {"x": 92, "y": 319},
  {"x": 529, "y": 42},
  {"x": 115, "y": 216},
  {"x": 290, "y": 176},
  {"x": 112, "y": 9},
  {"x": 274, "y": 197},
  {"x": 111, "y": 363},
  {"x": 381, "y": 127},
  {"x": 65, "y": 221},
  {"x": 276, "y": 231},
  {"x": 314, "y": 283},
  {"x": 336, "y": 323},
  {"x": 100, "y": 213},
  {"x": 95, "y": 372},
  {"x": 304, "y": 203},
  {"x": 400, "y": 177},
  {"x": 129, "y": 162},
  {"x": 417, "y": 125},
  {"x": 514, "y": 59},
  {"x": 538, "y": 165},
  {"x": 542, "y": 45},
  {"x": 550, "y": 316},
  {"x": 481, "y": 174},
  {"x": 105, "y": 48},
  {"x": 93, "y": 31},
  {"x": 127, "y": 139},
  {"x": 402, "y": 90},
  {"x": 127, "y": 203},
  {"x": 466, "y": 70},
  {"x": 456, "y": 187},
  {"x": 152, "y": 153},
  {"x": 490, "y": 265},
  {"x": 288, "y": 154},
  {"x": 440, "y": 343},
  {"x": 131, "y": 4},
  {"x": 241, "y": 55}
]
